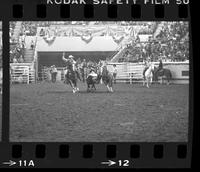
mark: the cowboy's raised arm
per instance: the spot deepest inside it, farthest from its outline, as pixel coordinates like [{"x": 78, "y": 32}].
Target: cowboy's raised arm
[{"x": 63, "y": 57}]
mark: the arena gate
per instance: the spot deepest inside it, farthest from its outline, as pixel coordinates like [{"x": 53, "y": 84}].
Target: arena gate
[{"x": 22, "y": 73}]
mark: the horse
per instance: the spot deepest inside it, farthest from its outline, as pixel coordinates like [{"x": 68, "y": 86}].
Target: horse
[
  {"x": 71, "y": 78},
  {"x": 148, "y": 75},
  {"x": 107, "y": 78},
  {"x": 163, "y": 73},
  {"x": 102, "y": 74}
]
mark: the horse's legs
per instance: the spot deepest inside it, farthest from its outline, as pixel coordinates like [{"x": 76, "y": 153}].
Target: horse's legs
[
  {"x": 83, "y": 76},
  {"x": 93, "y": 86},
  {"x": 162, "y": 80},
  {"x": 168, "y": 81},
  {"x": 72, "y": 85},
  {"x": 108, "y": 87},
  {"x": 88, "y": 87},
  {"x": 147, "y": 82},
  {"x": 101, "y": 81},
  {"x": 143, "y": 81},
  {"x": 78, "y": 75},
  {"x": 75, "y": 85},
  {"x": 111, "y": 89}
]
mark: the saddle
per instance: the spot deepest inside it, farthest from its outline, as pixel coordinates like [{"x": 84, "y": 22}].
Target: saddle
[{"x": 160, "y": 72}]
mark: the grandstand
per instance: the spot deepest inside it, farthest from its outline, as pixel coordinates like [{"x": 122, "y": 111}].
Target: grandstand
[{"x": 41, "y": 44}]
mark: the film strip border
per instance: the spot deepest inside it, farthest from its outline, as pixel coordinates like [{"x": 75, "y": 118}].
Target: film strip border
[
  {"x": 94, "y": 155},
  {"x": 41, "y": 10},
  {"x": 88, "y": 155}
]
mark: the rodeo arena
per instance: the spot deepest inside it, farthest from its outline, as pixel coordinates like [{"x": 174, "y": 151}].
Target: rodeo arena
[{"x": 79, "y": 81}]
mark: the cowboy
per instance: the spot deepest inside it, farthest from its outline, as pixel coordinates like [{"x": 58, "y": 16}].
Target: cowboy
[
  {"x": 71, "y": 64},
  {"x": 83, "y": 67},
  {"x": 84, "y": 63},
  {"x": 32, "y": 44},
  {"x": 160, "y": 67},
  {"x": 93, "y": 73},
  {"x": 114, "y": 72},
  {"x": 147, "y": 65},
  {"x": 53, "y": 73},
  {"x": 70, "y": 61}
]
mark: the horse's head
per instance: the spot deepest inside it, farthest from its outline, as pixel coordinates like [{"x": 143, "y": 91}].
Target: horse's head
[
  {"x": 104, "y": 69},
  {"x": 152, "y": 67}
]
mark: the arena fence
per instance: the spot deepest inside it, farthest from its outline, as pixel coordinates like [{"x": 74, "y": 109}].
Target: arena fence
[
  {"x": 133, "y": 72},
  {"x": 127, "y": 72},
  {"x": 45, "y": 74},
  {"x": 22, "y": 73}
]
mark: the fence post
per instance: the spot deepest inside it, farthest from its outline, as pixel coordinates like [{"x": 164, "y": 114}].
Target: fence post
[{"x": 28, "y": 79}]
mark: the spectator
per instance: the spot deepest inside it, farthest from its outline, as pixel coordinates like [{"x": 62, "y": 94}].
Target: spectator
[
  {"x": 114, "y": 73},
  {"x": 32, "y": 44},
  {"x": 53, "y": 72},
  {"x": 15, "y": 60}
]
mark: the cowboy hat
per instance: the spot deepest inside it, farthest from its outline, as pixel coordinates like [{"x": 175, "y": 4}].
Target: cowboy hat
[{"x": 70, "y": 56}]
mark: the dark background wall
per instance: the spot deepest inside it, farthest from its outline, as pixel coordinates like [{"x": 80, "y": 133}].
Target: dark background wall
[{"x": 55, "y": 58}]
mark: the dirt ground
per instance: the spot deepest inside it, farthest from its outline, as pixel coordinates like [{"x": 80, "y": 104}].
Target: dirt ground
[{"x": 50, "y": 112}]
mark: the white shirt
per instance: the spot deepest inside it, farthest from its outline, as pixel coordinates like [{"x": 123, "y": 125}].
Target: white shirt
[
  {"x": 114, "y": 69},
  {"x": 73, "y": 64},
  {"x": 93, "y": 74},
  {"x": 54, "y": 70}
]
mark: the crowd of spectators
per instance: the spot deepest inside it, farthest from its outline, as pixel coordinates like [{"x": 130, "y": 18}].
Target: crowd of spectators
[
  {"x": 173, "y": 30},
  {"x": 171, "y": 44},
  {"x": 29, "y": 28},
  {"x": 17, "y": 52},
  {"x": 18, "y": 45}
]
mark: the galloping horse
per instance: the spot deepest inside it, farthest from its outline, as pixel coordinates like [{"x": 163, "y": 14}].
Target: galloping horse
[
  {"x": 163, "y": 73},
  {"x": 71, "y": 78},
  {"x": 148, "y": 75}
]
